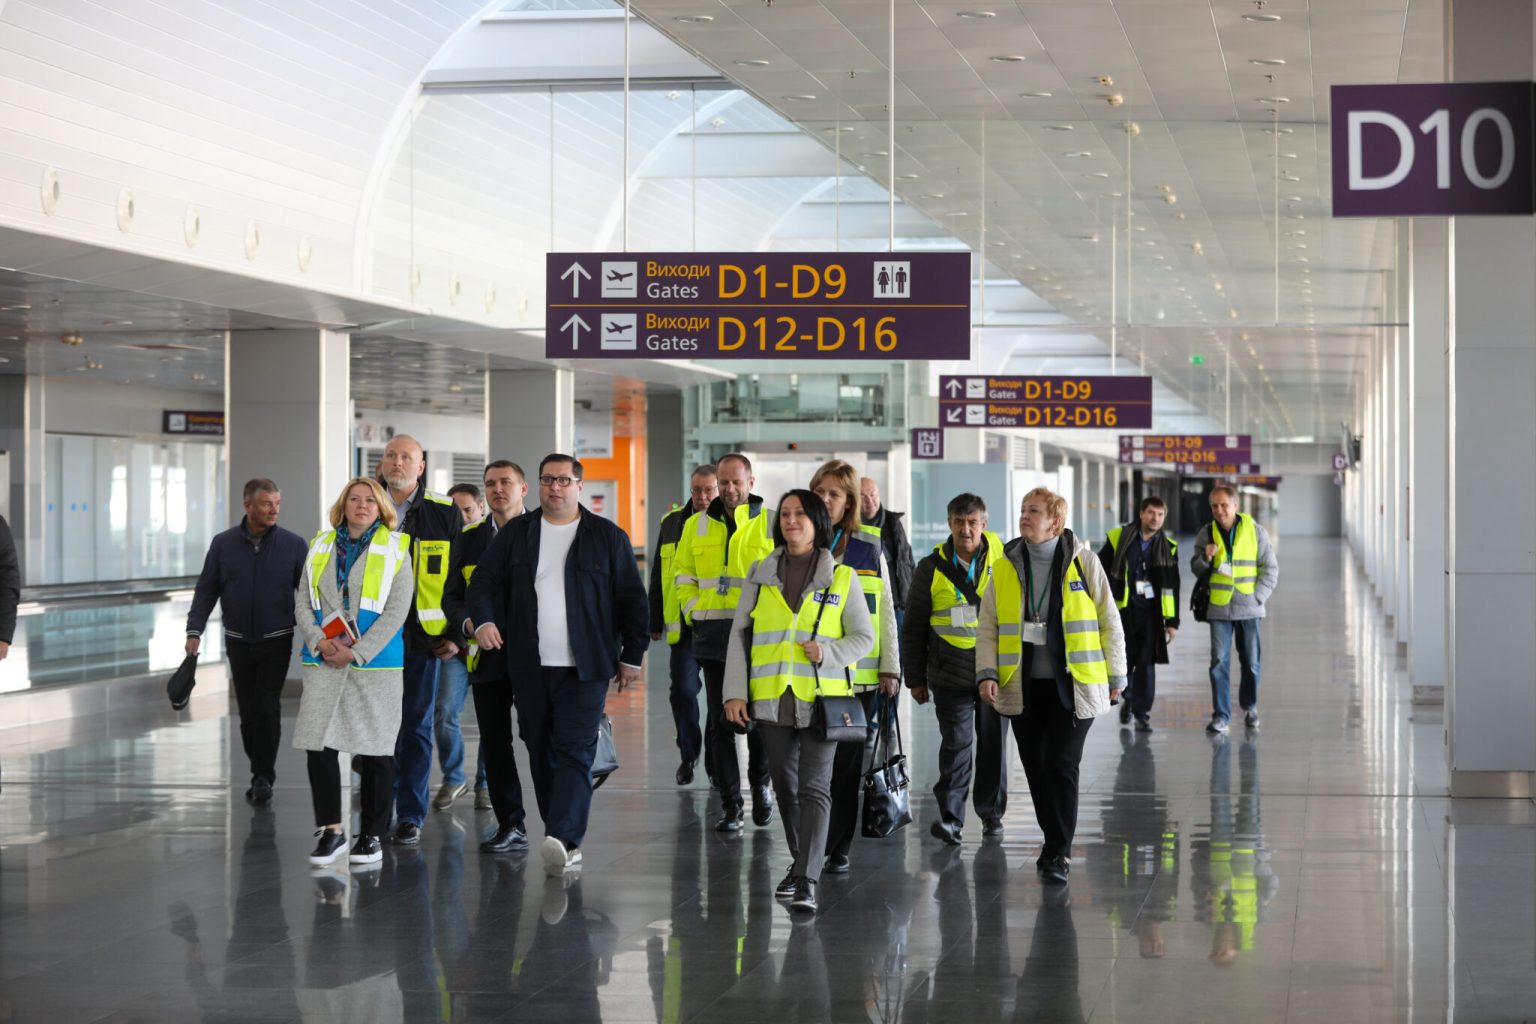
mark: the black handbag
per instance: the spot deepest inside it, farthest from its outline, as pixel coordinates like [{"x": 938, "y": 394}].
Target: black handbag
[
  {"x": 1200, "y": 599},
  {"x": 887, "y": 793},
  {"x": 606, "y": 761},
  {"x": 179, "y": 686},
  {"x": 840, "y": 719}
]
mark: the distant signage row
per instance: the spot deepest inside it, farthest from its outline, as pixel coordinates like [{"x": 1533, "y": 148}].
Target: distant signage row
[
  {"x": 1186, "y": 449},
  {"x": 1045, "y": 402}
]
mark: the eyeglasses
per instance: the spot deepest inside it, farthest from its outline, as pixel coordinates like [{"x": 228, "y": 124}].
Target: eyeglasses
[{"x": 557, "y": 481}]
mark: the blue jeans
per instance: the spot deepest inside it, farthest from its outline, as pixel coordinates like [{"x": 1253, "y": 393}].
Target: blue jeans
[
  {"x": 1247, "y": 631},
  {"x": 413, "y": 747},
  {"x": 557, "y": 715},
  {"x": 684, "y": 697},
  {"x": 452, "y": 688}
]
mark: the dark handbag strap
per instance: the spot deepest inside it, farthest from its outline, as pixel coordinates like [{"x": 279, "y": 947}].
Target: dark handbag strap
[
  {"x": 815, "y": 628},
  {"x": 952, "y": 573},
  {"x": 889, "y": 724}
]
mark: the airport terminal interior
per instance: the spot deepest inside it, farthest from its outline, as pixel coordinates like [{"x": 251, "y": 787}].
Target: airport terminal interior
[{"x": 1117, "y": 249}]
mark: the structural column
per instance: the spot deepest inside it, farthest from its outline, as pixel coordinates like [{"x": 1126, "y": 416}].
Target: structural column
[
  {"x": 1491, "y": 704},
  {"x": 530, "y": 414},
  {"x": 666, "y": 473},
  {"x": 288, "y": 417},
  {"x": 1427, "y": 460},
  {"x": 21, "y": 469}
]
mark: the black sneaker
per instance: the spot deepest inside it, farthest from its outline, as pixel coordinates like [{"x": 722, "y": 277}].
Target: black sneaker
[
  {"x": 762, "y": 805},
  {"x": 837, "y": 864},
  {"x": 1251, "y": 719},
  {"x": 330, "y": 844},
  {"x": 1143, "y": 724},
  {"x": 805, "y": 897},
  {"x": 785, "y": 890},
  {"x": 1056, "y": 870},
  {"x": 1125, "y": 711},
  {"x": 260, "y": 791},
  {"x": 684, "y": 773},
  {"x": 733, "y": 821},
  {"x": 407, "y": 833},
  {"x": 367, "y": 850}
]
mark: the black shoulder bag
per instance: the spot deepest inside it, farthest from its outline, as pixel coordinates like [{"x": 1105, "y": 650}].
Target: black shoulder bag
[
  {"x": 887, "y": 799},
  {"x": 840, "y": 719}
]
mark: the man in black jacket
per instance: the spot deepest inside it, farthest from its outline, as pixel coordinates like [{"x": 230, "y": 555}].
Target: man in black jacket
[
  {"x": 432, "y": 523},
  {"x": 253, "y": 570},
  {"x": 504, "y": 490},
  {"x": 893, "y": 538},
  {"x": 667, "y": 621},
  {"x": 574, "y": 621},
  {"x": 1142, "y": 563},
  {"x": 938, "y": 659}
]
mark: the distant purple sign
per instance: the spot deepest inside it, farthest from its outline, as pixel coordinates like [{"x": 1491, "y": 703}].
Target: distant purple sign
[
  {"x": 1055, "y": 402},
  {"x": 757, "y": 305},
  {"x": 1440, "y": 150},
  {"x": 1181, "y": 449},
  {"x": 928, "y": 442}
]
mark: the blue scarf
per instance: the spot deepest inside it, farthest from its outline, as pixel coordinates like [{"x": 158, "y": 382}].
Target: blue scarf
[{"x": 347, "y": 552}]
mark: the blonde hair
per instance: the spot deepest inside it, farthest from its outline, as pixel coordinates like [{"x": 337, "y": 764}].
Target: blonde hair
[
  {"x": 338, "y": 513},
  {"x": 1055, "y": 504},
  {"x": 846, "y": 479}
]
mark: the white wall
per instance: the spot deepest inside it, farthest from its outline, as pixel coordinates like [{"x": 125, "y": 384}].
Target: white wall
[
  {"x": 1309, "y": 506},
  {"x": 107, "y": 409}
]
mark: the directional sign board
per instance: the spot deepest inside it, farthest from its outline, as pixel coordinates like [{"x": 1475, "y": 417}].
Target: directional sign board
[
  {"x": 1045, "y": 402},
  {"x": 756, "y": 305},
  {"x": 1199, "y": 449},
  {"x": 1221, "y": 469}
]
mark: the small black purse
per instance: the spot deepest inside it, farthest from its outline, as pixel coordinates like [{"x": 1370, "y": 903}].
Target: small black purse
[{"x": 838, "y": 719}]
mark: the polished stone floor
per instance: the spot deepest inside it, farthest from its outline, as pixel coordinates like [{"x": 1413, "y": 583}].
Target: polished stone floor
[{"x": 1313, "y": 871}]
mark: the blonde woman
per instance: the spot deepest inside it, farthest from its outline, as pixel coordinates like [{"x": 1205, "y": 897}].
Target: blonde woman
[
  {"x": 358, "y": 573},
  {"x": 877, "y": 676},
  {"x": 1050, "y": 654}
]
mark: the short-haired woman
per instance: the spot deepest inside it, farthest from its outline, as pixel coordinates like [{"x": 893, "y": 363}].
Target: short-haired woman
[
  {"x": 357, "y": 580},
  {"x": 1050, "y": 654},
  {"x": 877, "y": 676},
  {"x": 799, "y": 628}
]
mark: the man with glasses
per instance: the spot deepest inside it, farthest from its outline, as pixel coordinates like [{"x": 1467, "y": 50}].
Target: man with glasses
[
  {"x": 560, "y": 592},
  {"x": 667, "y": 620}
]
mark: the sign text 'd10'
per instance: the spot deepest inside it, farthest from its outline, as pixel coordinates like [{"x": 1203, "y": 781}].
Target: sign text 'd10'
[
  {"x": 789, "y": 306},
  {"x": 1047, "y": 402}
]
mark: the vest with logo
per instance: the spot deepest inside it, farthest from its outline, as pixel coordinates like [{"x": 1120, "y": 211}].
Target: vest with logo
[
  {"x": 382, "y": 561},
  {"x": 1079, "y": 623},
  {"x": 778, "y": 661}
]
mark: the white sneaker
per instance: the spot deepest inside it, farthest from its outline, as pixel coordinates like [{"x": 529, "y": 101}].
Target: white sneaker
[{"x": 558, "y": 859}]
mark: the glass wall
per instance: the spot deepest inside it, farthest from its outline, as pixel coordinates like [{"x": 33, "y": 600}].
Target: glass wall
[{"x": 122, "y": 509}]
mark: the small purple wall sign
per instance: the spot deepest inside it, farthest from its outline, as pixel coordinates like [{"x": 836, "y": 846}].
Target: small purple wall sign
[
  {"x": 928, "y": 442},
  {"x": 788, "y": 306},
  {"x": 1439, "y": 150}
]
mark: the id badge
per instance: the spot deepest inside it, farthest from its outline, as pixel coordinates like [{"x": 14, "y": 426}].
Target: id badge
[
  {"x": 1033, "y": 632},
  {"x": 1224, "y": 569},
  {"x": 962, "y": 616},
  {"x": 1144, "y": 588},
  {"x": 723, "y": 587}
]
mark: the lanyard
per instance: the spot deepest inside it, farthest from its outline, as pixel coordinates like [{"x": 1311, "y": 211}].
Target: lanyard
[
  {"x": 970, "y": 572},
  {"x": 1229, "y": 538},
  {"x": 835, "y": 538},
  {"x": 1035, "y": 613}
]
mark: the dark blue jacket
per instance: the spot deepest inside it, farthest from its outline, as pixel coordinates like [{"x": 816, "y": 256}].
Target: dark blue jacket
[
  {"x": 605, "y": 602},
  {"x": 254, "y": 582},
  {"x": 10, "y": 583},
  {"x": 468, "y": 550}
]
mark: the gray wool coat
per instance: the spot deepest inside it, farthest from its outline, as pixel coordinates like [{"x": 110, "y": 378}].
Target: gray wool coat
[{"x": 348, "y": 708}]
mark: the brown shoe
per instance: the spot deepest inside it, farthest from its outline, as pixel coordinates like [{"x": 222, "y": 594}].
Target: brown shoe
[{"x": 447, "y": 793}]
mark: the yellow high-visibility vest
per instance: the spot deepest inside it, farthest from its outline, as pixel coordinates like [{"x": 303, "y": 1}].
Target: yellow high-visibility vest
[
  {"x": 385, "y": 552},
  {"x": 945, "y": 598},
  {"x": 778, "y": 662},
  {"x": 432, "y": 575},
  {"x": 1169, "y": 609},
  {"x": 1079, "y": 623},
  {"x": 1244, "y": 557},
  {"x": 710, "y": 567}
]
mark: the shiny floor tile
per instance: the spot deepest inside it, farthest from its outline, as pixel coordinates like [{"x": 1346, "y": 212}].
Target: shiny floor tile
[{"x": 1314, "y": 870}]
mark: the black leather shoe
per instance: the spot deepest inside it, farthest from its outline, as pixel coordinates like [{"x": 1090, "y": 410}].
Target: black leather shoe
[
  {"x": 1125, "y": 712},
  {"x": 1056, "y": 870},
  {"x": 805, "y": 897},
  {"x": 407, "y": 833},
  {"x": 944, "y": 834},
  {"x": 762, "y": 805},
  {"x": 260, "y": 792},
  {"x": 731, "y": 822},
  {"x": 992, "y": 827},
  {"x": 685, "y": 773},
  {"x": 505, "y": 839},
  {"x": 837, "y": 864}
]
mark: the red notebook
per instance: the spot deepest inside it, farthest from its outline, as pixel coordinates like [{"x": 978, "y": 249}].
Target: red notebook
[{"x": 339, "y": 627}]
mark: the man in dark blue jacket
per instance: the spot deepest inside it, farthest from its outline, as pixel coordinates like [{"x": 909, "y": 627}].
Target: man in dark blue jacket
[
  {"x": 253, "y": 570},
  {"x": 574, "y": 620}
]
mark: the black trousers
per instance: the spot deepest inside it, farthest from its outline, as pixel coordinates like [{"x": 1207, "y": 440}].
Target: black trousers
[
  {"x": 378, "y": 791},
  {"x": 1141, "y": 652},
  {"x": 848, "y": 780},
  {"x": 727, "y": 771},
  {"x": 973, "y": 757},
  {"x": 258, "y": 670},
  {"x": 1050, "y": 741},
  {"x": 493, "y": 710}
]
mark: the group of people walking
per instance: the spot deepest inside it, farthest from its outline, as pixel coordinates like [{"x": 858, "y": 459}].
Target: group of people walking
[{"x": 777, "y": 613}]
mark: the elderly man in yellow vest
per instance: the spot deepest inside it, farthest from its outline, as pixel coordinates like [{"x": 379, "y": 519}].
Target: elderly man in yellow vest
[
  {"x": 1234, "y": 555},
  {"x": 1050, "y": 654}
]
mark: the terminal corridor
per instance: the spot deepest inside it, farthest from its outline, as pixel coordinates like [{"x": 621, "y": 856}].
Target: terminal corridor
[{"x": 1314, "y": 870}]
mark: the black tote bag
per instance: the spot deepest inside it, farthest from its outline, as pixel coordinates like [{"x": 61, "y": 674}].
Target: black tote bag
[
  {"x": 887, "y": 786},
  {"x": 179, "y": 687}
]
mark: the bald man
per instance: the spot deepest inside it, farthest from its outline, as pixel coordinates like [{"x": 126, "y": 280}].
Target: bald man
[{"x": 893, "y": 539}]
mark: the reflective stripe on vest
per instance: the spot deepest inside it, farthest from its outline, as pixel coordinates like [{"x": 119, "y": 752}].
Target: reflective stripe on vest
[
  {"x": 862, "y": 555},
  {"x": 1244, "y": 558},
  {"x": 1169, "y": 609},
  {"x": 380, "y": 564},
  {"x": 944, "y": 597},
  {"x": 1079, "y": 624},
  {"x": 777, "y": 661}
]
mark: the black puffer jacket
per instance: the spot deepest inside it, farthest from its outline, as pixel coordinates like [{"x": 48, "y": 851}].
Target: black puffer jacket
[{"x": 927, "y": 659}]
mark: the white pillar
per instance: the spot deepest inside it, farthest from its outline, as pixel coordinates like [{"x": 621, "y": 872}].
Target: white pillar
[
  {"x": 21, "y": 440},
  {"x": 1491, "y": 704},
  {"x": 1427, "y": 465},
  {"x": 530, "y": 414},
  {"x": 288, "y": 417},
  {"x": 1402, "y": 433}
]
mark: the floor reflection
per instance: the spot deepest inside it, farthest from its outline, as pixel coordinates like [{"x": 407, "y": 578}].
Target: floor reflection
[{"x": 1231, "y": 879}]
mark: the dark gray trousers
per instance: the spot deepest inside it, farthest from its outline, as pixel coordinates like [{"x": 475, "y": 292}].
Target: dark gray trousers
[
  {"x": 973, "y": 751},
  {"x": 801, "y": 768}
]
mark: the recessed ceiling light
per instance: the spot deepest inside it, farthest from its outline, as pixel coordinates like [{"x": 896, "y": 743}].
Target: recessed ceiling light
[
  {"x": 909, "y": 177},
  {"x": 1008, "y": 58},
  {"x": 694, "y": 19},
  {"x": 1262, "y": 18},
  {"x": 932, "y": 195},
  {"x": 977, "y": 14},
  {"x": 1279, "y": 131},
  {"x": 1289, "y": 177},
  {"x": 956, "y": 213},
  {"x": 1038, "y": 94},
  {"x": 1079, "y": 154},
  {"x": 800, "y": 97},
  {"x": 1266, "y": 61},
  {"x": 841, "y": 128},
  {"x": 1292, "y": 199},
  {"x": 878, "y": 152},
  {"x": 757, "y": 63},
  {"x": 1273, "y": 99},
  {"x": 1096, "y": 174},
  {"x": 1059, "y": 128}
]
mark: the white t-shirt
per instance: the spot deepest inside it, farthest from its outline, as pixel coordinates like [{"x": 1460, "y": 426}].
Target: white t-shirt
[{"x": 549, "y": 586}]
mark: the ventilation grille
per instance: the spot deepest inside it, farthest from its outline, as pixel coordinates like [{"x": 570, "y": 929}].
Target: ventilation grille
[{"x": 468, "y": 468}]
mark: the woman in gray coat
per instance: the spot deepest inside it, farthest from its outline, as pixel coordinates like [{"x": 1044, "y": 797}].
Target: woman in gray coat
[{"x": 351, "y": 603}]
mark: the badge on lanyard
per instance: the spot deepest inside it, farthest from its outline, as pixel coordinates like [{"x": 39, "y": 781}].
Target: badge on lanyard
[
  {"x": 1144, "y": 588},
  {"x": 1033, "y": 632},
  {"x": 962, "y": 616},
  {"x": 723, "y": 587}
]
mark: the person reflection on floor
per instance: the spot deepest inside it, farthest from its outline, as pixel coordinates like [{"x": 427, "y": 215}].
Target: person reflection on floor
[
  {"x": 347, "y": 957},
  {"x": 1230, "y": 872},
  {"x": 570, "y": 958},
  {"x": 1135, "y": 870},
  {"x": 486, "y": 972},
  {"x": 1048, "y": 988}
]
